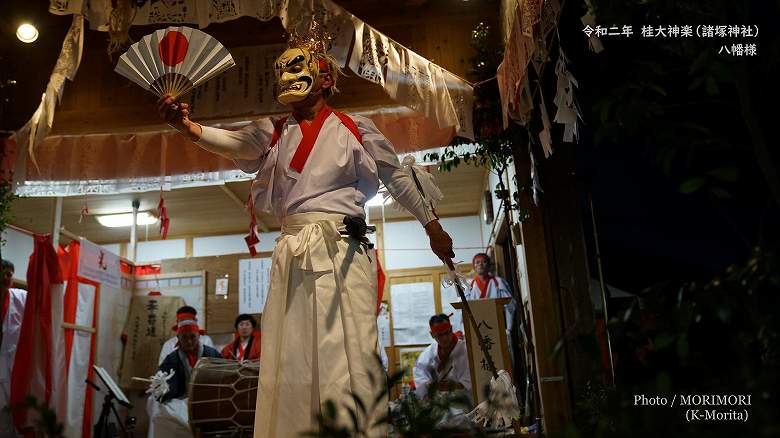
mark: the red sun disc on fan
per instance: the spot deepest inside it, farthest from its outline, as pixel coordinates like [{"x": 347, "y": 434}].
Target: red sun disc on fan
[{"x": 173, "y": 48}]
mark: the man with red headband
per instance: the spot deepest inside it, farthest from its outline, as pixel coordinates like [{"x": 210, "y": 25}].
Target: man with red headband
[
  {"x": 173, "y": 343},
  {"x": 444, "y": 363},
  {"x": 485, "y": 285},
  {"x": 316, "y": 169},
  {"x": 152, "y": 407},
  {"x": 169, "y": 385}
]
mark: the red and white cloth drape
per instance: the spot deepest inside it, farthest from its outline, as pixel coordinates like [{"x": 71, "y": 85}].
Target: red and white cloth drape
[{"x": 51, "y": 362}]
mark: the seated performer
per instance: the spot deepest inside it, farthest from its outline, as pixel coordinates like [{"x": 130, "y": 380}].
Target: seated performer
[
  {"x": 445, "y": 361},
  {"x": 173, "y": 343},
  {"x": 246, "y": 346},
  {"x": 11, "y": 313},
  {"x": 316, "y": 168},
  {"x": 486, "y": 285},
  {"x": 169, "y": 385}
]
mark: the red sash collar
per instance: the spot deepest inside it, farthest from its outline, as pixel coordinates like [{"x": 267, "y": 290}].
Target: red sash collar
[
  {"x": 483, "y": 285},
  {"x": 443, "y": 354},
  {"x": 192, "y": 358},
  {"x": 310, "y": 133}
]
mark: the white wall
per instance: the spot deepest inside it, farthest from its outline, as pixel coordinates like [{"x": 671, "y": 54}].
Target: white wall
[
  {"x": 231, "y": 244},
  {"x": 156, "y": 250},
  {"x": 407, "y": 245},
  {"x": 17, "y": 249}
]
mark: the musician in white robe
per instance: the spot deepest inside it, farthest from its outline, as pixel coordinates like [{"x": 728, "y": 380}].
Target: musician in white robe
[
  {"x": 152, "y": 407},
  {"x": 11, "y": 314},
  {"x": 316, "y": 168},
  {"x": 485, "y": 285},
  {"x": 444, "y": 363}
]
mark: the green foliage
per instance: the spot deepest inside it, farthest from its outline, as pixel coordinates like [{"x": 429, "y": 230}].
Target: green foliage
[
  {"x": 718, "y": 337},
  {"x": 408, "y": 417},
  {"x": 44, "y": 419},
  {"x": 493, "y": 143},
  {"x": 7, "y": 198}
]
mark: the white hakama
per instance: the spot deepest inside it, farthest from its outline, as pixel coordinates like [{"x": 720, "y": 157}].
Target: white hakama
[{"x": 319, "y": 329}]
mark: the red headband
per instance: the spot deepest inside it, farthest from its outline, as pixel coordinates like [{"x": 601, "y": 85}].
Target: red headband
[
  {"x": 442, "y": 327},
  {"x": 184, "y": 316},
  {"x": 187, "y": 322},
  {"x": 189, "y": 328},
  {"x": 480, "y": 256}
]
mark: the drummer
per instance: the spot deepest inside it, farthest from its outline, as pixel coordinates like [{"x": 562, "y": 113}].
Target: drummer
[
  {"x": 170, "y": 390},
  {"x": 246, "y": 345}
]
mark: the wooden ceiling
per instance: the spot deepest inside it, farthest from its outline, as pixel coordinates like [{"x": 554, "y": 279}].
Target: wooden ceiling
[
  {"x": 99, "y": 100},
  {"x": 211, "y": 210}
]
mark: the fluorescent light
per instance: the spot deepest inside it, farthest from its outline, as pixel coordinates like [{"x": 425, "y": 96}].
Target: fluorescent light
[
  {"x": 27, "y": 33},
  {"x": 126, "y": 219},
  {"x": 379, "y": 199}
]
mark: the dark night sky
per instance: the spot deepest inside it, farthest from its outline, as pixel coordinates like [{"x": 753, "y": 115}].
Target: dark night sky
[{"x": 649, "y": 231}]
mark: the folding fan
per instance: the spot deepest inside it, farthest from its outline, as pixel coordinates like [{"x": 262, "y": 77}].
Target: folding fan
[{"x": 174, "y": 60}]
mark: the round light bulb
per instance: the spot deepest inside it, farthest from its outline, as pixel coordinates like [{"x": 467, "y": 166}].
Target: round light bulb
[{"x": 27, "y": 33}]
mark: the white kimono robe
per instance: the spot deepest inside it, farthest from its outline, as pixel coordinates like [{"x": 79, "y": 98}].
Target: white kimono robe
[
  {"x": 497, "y": 288},
  {"x": 320, "y": 337},
  {"x": 12, "y": 325},
  {"x": 456, "y": 369},
  {"x": 152, "y": 406}
]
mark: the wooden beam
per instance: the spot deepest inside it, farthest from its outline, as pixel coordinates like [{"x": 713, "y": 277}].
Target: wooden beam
[
  {"x": 81, "y": 328},
  {"x": 260, "y": 224}
]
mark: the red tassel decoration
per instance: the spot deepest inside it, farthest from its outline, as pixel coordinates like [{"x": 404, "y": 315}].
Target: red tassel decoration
[
  {"x": 251, "y": 239},
  {"x": 165, "y": 221}
]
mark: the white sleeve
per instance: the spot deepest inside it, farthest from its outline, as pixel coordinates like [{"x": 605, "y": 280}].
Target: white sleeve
[
  {"x": 400, "y": 185},
  {"x": 464, "y": 369},
  {"x": 422, "y": 373},
  {"x": 246, "y": 146},
  {"x": 167, "y": 349}
]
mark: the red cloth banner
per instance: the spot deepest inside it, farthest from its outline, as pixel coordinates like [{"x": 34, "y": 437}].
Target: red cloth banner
[{"x": 32, "y": 370}]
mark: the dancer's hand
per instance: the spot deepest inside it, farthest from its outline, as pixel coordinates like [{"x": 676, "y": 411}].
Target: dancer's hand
[
  {"x": 178, "y": 116},
  {"x": 441, "y": 242}
]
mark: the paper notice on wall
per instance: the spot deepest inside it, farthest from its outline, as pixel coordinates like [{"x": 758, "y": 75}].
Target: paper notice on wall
[
  {"x": 222, "y": 286},
  {"x": 98, "y": 264},
  {"x": 412, "y": 307},
  {"x": 254, "y": 281},
  {"x": 450, "y": 295}
]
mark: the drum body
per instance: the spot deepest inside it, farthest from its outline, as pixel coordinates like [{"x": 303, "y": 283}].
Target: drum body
[{"x": 222, "y": 397}]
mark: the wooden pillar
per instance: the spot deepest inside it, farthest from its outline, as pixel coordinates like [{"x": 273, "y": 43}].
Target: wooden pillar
[
  {"x": 563, "y": 214},
  {"x": 544, "y": 308}
]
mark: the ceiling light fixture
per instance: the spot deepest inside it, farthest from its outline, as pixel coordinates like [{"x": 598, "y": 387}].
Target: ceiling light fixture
[
  {"x": 27, "y": 33},
  {"x": 126, "y": 219}
]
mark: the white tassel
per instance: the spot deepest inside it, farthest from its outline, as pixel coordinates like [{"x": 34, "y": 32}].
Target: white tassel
[{"x": 501, "y": 407}]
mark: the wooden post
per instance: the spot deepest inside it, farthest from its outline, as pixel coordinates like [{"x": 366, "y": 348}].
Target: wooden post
[{"x": 544, "y": 309}]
